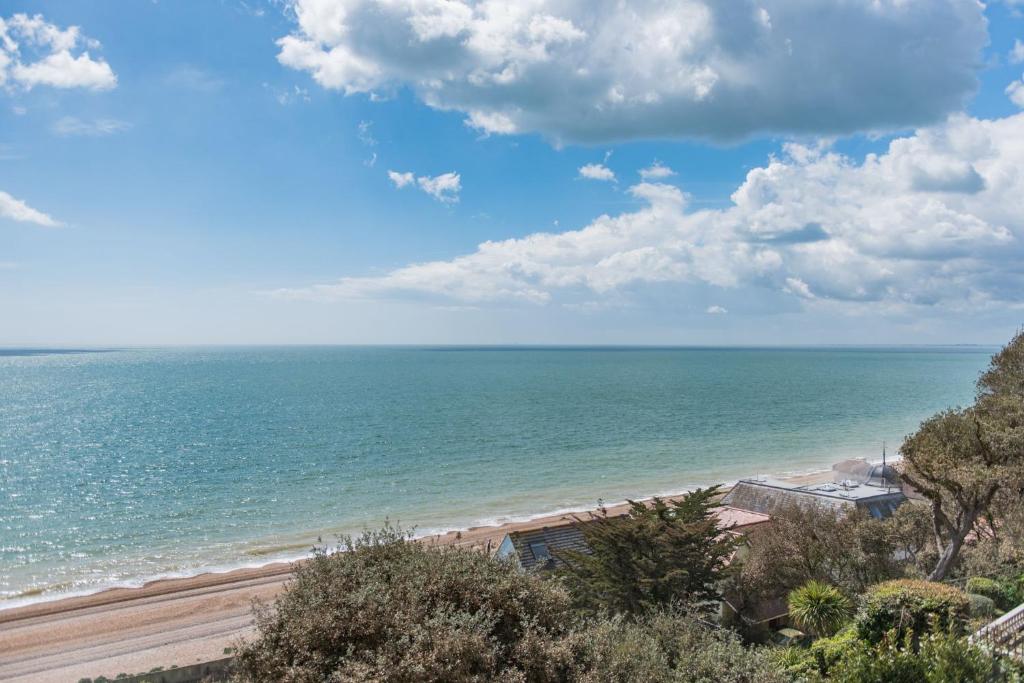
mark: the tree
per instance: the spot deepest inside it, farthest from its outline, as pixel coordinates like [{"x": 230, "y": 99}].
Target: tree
[
  {"x": 962, "y": 459},
  {"x": 951, "y": 463},
  {"x": 819, "y": 608},
  {"x": 659, "y": 553},
  {"x": 814, "y": 543}
]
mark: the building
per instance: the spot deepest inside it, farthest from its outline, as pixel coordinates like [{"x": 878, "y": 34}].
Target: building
[
  {"x": 856, "y": 484},
  {"x": 538, "y": 549}
]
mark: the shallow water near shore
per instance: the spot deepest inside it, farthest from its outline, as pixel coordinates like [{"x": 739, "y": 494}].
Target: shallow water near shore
[{"x": 134, "y": 464}]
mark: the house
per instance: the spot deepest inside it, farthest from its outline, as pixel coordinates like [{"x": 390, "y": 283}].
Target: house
[
  {"x": 766, "y": 494},
  {"x": 538, "y": 549}
]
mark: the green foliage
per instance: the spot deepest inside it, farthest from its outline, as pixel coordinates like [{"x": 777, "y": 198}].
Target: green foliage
[
  {"x": 1002, "y": 595},
  {"x": 940, "y": 658},
  {"x": 964, "y": 460},
  {"x": 391, "y": 609},
  {"x": 661, "y": 553},
  {"x": 907, "y": 606},
  {"x": 819, "y": 608},
  {"x": 810, "y": 543},
  {"x": 665, "y": 646},
  {"x": 981, "y": 607},
  {"x": 828, "y": 651}
]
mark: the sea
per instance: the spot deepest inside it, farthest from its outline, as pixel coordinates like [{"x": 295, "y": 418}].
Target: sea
[{"x": 119, "y": 466}]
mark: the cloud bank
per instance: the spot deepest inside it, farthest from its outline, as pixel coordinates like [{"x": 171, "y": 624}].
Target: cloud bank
[
  {"x": 34, "y": 52},
  {"x": 935, "y": 221},
  {"x": 600, "y": 70}
]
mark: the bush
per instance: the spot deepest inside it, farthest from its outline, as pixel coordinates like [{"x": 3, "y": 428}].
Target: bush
[
  {"x": 828, "y": 651},
  {"x": 909, "y": 605},
  {"x": 666, "y": 645},
  {"x": 940, "y": 658},
  {"x": 819, "y": 608},
  {"x": 981, "y": 607},
  {"x": 391, "y": 609},
  {"x": 1002, "y": 596}
]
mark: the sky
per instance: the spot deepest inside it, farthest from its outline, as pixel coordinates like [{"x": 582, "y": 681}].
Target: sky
[{"x": 688, "y": 172}]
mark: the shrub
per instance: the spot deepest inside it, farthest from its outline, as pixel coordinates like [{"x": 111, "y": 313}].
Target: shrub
[
  {"x": 981, "y": 606},
  {"x": 666, "y": 645},
  {"x": 819, "y": 608},
  {"x": 1001, "y": 595},
  {"x": 941, "y": 658},
  {"x": 909, "y": 605},
  {"x": 828, "y": 651},
  {"x": 390, "y": 609}
]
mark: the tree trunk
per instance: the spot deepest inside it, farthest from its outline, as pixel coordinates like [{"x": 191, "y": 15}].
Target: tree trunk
[{"x": 952, "y": 549}]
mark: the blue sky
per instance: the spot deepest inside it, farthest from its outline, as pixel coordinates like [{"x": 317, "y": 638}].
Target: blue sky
[{"x": 218, "y": 172}]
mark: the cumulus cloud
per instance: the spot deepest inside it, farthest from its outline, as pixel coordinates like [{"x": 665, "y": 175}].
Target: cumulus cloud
[
  {"x": 70, "y": 125},
  {"x": 35, "y": 52},
  {"x": 716, "y": 310},
  {"x": 17, "y": 210},
  {"x": 656, "y": 171},
  {"x": 937, "y": 220},
  {"x": 444, "y": 188},
  {"x": 1017, "y": 52},
  {"x": 597, "y": 172},
  {"x": 586, "y": 71},
  {"x": 1015, "y": 91}
]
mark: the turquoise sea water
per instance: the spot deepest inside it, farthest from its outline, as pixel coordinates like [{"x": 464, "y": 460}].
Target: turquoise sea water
[{"x": 125, "y": 465}]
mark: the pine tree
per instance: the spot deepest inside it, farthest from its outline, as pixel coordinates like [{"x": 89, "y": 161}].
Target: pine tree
[{"x": 662, "y": 552}]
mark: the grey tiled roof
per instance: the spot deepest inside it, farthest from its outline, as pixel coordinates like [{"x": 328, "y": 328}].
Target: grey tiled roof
[
  {"x": 766, "y": 496},
  {"x": 553, "y": 540}
]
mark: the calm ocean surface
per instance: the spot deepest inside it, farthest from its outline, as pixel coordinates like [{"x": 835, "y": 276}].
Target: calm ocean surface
[{"x": 125, "y": 465}]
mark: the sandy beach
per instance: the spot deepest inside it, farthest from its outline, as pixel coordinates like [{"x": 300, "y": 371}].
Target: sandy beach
[{"x": 173, "y": 621}]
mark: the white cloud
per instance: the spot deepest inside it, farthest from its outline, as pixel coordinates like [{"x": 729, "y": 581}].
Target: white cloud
[
  {"x": 935, "y": 221},
  {"x": 17, "y": 210},
  {"x": 656, "y": 171},
  {"x": 584, "y": 71},
  {"x": 70, "y": 125},
  {"x": 1017, "y": 52},
  {"x": 444, "y": 188},
  {"x": 716, "y": 310},
  {"x": 34, "y": 52},
  {"x": 596, "y": 172},
  {"x": 1015, "y": 91},
  {"x": 366, "y": 133},
  {"x": 401, "y": 179}
]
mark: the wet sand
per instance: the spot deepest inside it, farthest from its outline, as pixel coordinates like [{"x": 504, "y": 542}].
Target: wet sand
[{"x": 173, "y": 621}]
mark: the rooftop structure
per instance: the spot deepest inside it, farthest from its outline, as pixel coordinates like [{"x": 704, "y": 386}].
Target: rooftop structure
[
  {"x": 861, "y": 471},
  {"x": 535, "y": 549},
  {"x": 766, "y": 494}
]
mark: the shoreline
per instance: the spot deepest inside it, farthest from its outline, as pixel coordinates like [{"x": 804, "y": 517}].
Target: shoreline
[{"x": 482, "y": 536}]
